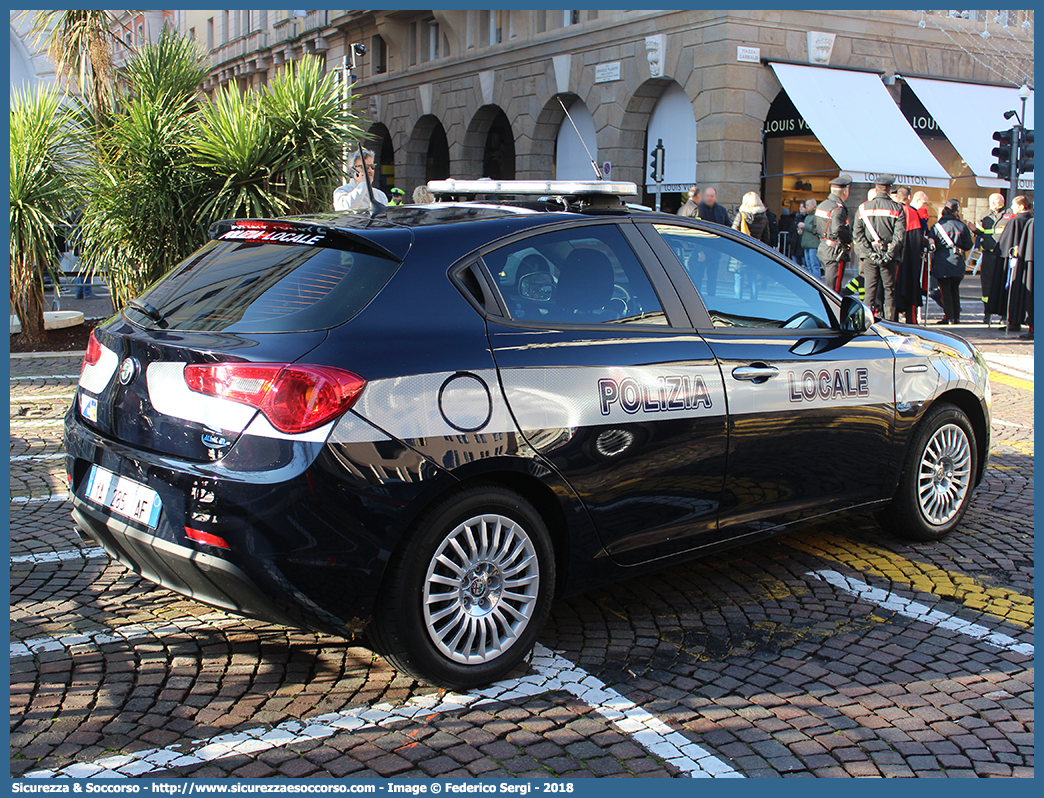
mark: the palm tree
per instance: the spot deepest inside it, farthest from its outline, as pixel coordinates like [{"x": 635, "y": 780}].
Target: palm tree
[
  {"x": 41, "y": 138},
  {"x": 307, "y": 114},
  {"x": 278, "y": 152},
  {"x": 80, "y": 44},
  {"x": 141, "y": 186}
]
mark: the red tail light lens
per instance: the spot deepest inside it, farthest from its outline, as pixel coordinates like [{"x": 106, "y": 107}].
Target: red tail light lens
[
  {"x": 93, "y": 354},
  {"x": 200, "y": 536},
  {"x": 293, "y": 398}
]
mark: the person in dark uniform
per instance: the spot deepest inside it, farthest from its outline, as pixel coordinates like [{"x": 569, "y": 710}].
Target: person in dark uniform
[
  {"x": 1018, "y": 279},
  {"x": 1007, "y": 243},
  {"x": 987, "y": 232},
  {"x": 835, "y": 232},
  {"x": 909, "y": 288},
  {"x": 878, "y": 234},
  {"x": 951, "y": 239}
]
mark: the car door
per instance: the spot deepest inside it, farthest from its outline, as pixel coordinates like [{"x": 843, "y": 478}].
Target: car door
[
  {"x": 608, "y": 382},
  {"x": 811, "y": 408}
]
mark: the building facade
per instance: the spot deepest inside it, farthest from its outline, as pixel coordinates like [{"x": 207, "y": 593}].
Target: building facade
[{"x": 483, "y": 93}]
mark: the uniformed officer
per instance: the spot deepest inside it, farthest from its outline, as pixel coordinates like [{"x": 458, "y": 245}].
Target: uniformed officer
[
  {"x": 398, "y": 196},
  {"x": 879, "y": 232},
  {"x": 988, "y": 231},
  {"x": 835, "y": 232}
]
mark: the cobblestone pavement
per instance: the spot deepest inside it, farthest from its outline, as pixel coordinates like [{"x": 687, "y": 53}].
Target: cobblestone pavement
[{"x": 834, "y": 650}]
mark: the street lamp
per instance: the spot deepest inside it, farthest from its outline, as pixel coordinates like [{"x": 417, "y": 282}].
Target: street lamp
[{"x": 348, "y": 78}]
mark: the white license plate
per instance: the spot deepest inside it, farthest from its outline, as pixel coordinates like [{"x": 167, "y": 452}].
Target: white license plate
[{"x": 124, "y": 496}]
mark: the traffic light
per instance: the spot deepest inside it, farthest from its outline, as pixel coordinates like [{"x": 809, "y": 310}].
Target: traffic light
[
  {"x": 1003, "y": 153},
  {"x": 656, "y": 161},
  {"x": 1026, "y": 152}
]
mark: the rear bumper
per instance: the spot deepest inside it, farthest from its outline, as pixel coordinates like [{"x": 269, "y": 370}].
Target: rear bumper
[
  {"x": 200, "y": 576},
  {"x": 305, "y": 544}
]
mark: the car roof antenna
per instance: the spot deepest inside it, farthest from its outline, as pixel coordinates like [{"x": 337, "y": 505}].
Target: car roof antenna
[
  {"x": 375, "y": 206},
  {"x": 598, "y": 172}
]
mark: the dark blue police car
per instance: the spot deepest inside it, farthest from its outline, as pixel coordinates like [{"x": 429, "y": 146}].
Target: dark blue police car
[{"x": 426, "y": 422}]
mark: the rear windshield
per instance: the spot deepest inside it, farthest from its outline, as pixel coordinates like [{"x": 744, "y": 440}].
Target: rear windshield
[{"x": 252, "y": 287}]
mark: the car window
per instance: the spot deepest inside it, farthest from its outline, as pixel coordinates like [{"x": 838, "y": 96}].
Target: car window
[
  {"x": 583, "y": 275},
  {"x": 742, "y": 287},
  {"x": 246, "y": 286}
]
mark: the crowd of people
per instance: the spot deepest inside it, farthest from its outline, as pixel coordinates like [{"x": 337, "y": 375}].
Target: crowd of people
[{"x": 901, "y": 257}]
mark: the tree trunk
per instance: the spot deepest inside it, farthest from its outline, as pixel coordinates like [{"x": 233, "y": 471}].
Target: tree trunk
[{"x": 30, "y": 309}]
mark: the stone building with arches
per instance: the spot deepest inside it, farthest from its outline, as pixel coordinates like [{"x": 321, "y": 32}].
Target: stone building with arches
[{"x": 480, "y": 93}]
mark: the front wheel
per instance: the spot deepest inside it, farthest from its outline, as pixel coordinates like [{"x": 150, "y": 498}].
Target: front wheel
[
  {"x": 469, "y": 592},
  {"x": 935, "y": 488}
]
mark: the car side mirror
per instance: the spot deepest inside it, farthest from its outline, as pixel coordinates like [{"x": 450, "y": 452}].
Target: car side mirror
[
  {"x": 856, "y": 317},
  {"x": 537, "y": 287}
]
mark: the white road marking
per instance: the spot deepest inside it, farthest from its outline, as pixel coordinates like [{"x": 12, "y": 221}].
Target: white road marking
[
  {"x": 57, "y": 422},
  {"x": 1008, "y": 424},
  {"x": 99, "y": 636},
  {"x": 24, "y": 457},
  {"x": 45, "y": 377},
  {"x": 553, "y": 672},
  {"x": 56, "y": 497},
  {"x": 921, "y": 612},
  {"x": 1013, "y": 365},
  {"x": 49, "y": 398},
  {"x": 59, "y": 556}
]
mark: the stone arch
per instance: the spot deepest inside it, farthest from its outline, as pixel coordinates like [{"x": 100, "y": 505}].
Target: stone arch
[
  {"x": 489, "y": 146},
  {"x": 549, "y": 123},
  {"x": 628, "y": 154},
  {"x": 23, "y": 70},
  {"x": 379, "y": 139},
  {"x": 427, "y": 153}
]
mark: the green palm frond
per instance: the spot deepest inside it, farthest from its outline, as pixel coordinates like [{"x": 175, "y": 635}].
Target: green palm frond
[
  {"x": 312, "y": 121},
  {"x": 41, "y": 138},
  {"x": 238, "y": 149}
]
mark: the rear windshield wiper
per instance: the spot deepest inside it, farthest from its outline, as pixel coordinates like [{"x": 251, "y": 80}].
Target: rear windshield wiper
[{"x": 146, "y": 308}]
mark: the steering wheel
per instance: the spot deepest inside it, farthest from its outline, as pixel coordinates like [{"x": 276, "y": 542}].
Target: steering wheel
[
  {"x": 797, "y": 321},
  {"x": 621, "y": 295}
]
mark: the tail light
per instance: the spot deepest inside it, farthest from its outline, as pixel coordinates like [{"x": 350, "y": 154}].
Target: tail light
[
  {"x": 200, "y": 536},
  {"x": 293, "y": 398},
  {"x": 93, "y": 353}
]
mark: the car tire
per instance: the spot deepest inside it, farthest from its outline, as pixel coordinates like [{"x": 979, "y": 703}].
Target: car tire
[
  {"x": 468, "y": 593},
  {"x": 936, "y": 485}
]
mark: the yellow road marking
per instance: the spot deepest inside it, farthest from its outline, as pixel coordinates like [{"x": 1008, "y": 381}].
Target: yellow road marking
[
  {"x": 1014, "y": 382},
  {"x": 1022, "y": 447},
  {"x": 1002, "y": 603}
]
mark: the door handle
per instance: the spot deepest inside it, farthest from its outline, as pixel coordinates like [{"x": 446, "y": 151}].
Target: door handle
[{"x": 756, "y": 374}]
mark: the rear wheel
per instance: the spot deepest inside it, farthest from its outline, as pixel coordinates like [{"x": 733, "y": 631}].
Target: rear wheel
[
  {"x": 469, "y": 592},
  {"x": 935, "y": 488}
]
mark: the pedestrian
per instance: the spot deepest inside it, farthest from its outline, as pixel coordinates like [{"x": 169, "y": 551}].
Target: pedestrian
[
  {"x": 775, "y": 227},
  {"x": 752, "y": 218},
  {"x": 710, "y": 211},
  {"x": 692, "y": 203},
  {"x": 353, "y": 196},
  {"x": 909, "y": 285},
  {"x": 879, "y": 233},
  {"x": 951, "y": 239},
  {"x": 83, "y": 280},
  {"x": 987, "y": 231},
  {"x": 422, "y": 195},
  {"x": 1022, "y": 288},
  {"x": 835, "y": 231},
  {"x": 810, "y": 240},
  {"x": 1011, "y": 293},
  {"x": 398, "y": 196}
]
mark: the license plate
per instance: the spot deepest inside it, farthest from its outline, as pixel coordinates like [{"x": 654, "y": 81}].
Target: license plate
[{"x": 124, "y": 496}]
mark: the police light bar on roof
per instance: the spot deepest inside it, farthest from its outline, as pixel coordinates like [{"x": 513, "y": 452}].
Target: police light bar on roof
[{"x": 541, "y": 188}]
